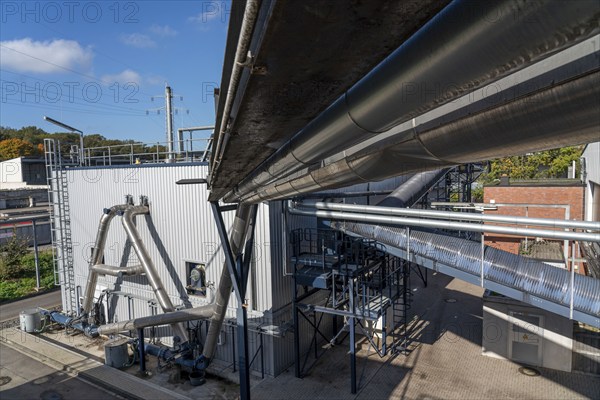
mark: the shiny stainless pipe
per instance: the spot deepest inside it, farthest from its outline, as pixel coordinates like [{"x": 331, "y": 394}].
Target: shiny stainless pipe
[
  {"x": 562, "y": 114},
  {"x": 237, "y": 238},
  {"x": 113, "y": 270},
  {"x": 469, "y": 44},
  {"x": 449, "y": 215},
  {"x": 174, "y": 317},
  {"x": 452, "y": 225},
  {"x": 240, "y": 61},
  {"x": 151, "y": 274},
  {"x": 97, "y": 254}
]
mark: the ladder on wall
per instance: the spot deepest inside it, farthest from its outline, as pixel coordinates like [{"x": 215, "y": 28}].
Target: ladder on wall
[{"x": 60, "y": 224}]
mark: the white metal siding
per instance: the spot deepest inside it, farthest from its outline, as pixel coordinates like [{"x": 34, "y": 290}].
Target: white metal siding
[{"x": 180, "y": 228}]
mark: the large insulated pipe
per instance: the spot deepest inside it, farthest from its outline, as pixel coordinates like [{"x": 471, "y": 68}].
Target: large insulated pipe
[
  {"x": 460, "y": 226},
  {"x": 563, "y": 114},
  {"x": 151, "y": 274},
  {"x": 413, "y": 189},
  {"x": 469, "y": 44},
  {"x": 97, "y": 254},
  {"x": 188, "y": 314},
  {"x": 113, "y": 270},
  {"x": 383, "y": 208},
  {"x": 223, "y": 292}
]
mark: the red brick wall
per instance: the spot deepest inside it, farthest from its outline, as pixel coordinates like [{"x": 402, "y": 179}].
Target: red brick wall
[{"x": 571, "y": 195}]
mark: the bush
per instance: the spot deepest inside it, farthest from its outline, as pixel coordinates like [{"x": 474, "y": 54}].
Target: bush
[{"x": 11, "y": 254}]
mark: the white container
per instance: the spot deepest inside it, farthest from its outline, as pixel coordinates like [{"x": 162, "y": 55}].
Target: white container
[{"x": 31, "y": 320}]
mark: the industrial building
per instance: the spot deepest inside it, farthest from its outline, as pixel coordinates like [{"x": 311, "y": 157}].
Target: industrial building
[{"x": 304, "y": 221}]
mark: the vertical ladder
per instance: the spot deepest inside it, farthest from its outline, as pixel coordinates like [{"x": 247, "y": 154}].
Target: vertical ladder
[
  {"x": 60, "y": 224},
  {"x": 400, "y": 308}
]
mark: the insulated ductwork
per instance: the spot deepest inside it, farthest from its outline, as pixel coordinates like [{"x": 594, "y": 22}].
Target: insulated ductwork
[
  {"x": 151, "y": 274},
  {"x": 413, "y": 189},
  {"x": 566, "y": 113},
  {"x": 238, "y": 236},
  {"x": 174, "y": 317},
  {"x": 113, "y": 270},
  {"x": 512, "y": 275},
  {"x": 467, "y": 45},
  {"x": 97, "y": 254}
]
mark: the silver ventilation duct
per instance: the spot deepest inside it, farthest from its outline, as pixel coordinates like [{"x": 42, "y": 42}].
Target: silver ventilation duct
[
  {"x": 515, "y": 276},
  {"x": 223, "y": 292},
  {"x": 174, "y": 317},
  {"x": 97, "y": 254},
  {"x": 151, "y": 274},
  {"x": 566, "y": 113},
  {"x": 467, "y": 45}
]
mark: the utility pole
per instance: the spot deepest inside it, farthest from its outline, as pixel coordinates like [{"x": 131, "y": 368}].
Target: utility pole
[{"x": 169, "y": 112}]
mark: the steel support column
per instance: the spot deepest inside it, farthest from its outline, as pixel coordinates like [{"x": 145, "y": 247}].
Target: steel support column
[{"x": 238, "y": 266}]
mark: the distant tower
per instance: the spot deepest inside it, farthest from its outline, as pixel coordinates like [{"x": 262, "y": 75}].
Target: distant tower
[{"x": 169, "y": 112}]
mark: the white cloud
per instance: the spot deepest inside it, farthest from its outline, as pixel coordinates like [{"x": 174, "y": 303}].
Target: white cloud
[
  {"x": 123, "y": 77},
  {"x": 163, "y": 31},
  {"x": 138, "y": 40},
  {"x": 27, "y": 55}
]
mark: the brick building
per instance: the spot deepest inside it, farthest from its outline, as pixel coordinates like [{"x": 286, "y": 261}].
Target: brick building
[{"x": 558, "y": 198}]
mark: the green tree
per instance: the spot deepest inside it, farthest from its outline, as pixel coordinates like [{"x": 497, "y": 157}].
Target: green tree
[{"x": 14, "y": 147}]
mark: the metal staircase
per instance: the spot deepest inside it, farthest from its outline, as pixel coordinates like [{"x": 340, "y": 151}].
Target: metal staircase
[{"x": 60, "y": 224}]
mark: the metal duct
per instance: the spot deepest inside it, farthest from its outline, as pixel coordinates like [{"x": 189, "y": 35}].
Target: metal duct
[
  {"x": 114, "y": 270},
  {"x": 565, "y": 113},
  {"x": 413, "y": 189},
  {"x": 97, "y": 254},
  {"x": 522, "y": 276},
  {"x": 462, "y": 226},
  {"x": 174, "y": 317},
  {"x": 381, "y": 209},
  {"x": 148, "y": 265},
  {"x": 223, "y": 292},
  {"x": 467, "y": 45}
]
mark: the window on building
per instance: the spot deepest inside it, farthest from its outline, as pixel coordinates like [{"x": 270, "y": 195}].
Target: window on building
[{"x": 196, "y": 278}]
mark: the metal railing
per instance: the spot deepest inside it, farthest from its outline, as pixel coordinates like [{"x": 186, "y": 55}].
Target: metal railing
[{"x": 193, "y": 150}]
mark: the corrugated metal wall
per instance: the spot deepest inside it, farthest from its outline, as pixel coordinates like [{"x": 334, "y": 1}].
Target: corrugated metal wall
[{"x": 180, "y": 228}]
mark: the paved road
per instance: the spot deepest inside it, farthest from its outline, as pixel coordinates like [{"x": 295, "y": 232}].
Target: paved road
[
  {"x": 11, "y": 310},
  {"x": 22, "y": 377}
]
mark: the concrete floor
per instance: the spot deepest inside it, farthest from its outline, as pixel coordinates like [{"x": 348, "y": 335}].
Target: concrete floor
[
  {"x": 22, "y": 377},
  {"x": 444, "y": 362}
]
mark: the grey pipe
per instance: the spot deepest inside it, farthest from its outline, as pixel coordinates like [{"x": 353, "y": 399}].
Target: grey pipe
[
  {"x": 173, "y": 317},
  {"x": 97, "y": 254},
  {"x": 469, "y": 44},
  {"x": 449, "y": 215},
  {"x": 413, "y": 189},
  {"x": 241, "y": 58},
  {"x": 559, "y": 115},
  {"x": 114, "y": 270},
  {"x": 238, "y": 235},
  {"x": 461, "y": 226},
  {"x": 151, "y": 274}
]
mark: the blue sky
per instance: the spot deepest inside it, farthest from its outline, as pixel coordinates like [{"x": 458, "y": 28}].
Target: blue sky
[{"x": 95, "y": 65}]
